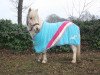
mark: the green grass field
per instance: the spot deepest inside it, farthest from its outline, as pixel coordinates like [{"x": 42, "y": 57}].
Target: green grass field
[{"x": 58, "y": 64}]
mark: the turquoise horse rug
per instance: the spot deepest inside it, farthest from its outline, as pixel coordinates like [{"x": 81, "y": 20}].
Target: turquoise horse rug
[{"x": 56, "y": 34}]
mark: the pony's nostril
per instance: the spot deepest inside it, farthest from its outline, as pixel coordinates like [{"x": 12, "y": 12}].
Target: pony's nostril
[{"x": 37, "y": 29}]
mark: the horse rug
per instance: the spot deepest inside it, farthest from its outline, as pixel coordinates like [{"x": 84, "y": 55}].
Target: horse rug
[{"x": 56, "y": 34}]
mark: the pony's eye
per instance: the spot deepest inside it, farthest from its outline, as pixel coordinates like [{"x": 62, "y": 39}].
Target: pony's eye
[{"x": 30, "y": 17}]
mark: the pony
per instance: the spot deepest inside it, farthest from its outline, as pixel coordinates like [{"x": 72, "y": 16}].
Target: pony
[{"x": 46, "y": 35}]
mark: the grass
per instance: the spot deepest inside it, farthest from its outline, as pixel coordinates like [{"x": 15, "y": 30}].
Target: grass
[{"x": 58, "y": 64}]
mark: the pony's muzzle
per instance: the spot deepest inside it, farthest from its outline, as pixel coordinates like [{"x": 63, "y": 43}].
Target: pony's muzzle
[{"x": 37, "y": 30}]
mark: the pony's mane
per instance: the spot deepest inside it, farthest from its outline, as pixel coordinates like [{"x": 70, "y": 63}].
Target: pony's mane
[{"x": 53, "y": 18}]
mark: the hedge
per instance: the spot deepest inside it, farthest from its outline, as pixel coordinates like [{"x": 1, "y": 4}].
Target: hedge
[
  {"x": 17, "y": 39},
  {"x": 14, "y": 37},
  {"x": 90, "y": 33}
]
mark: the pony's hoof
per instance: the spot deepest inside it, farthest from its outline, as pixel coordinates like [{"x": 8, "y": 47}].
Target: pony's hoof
[
  {"x": 39, "y": 60},
  {"x": 44, "y": 61},
  {"x": 73, "y": 61}
]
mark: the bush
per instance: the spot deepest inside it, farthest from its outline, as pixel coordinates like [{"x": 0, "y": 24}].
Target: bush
[
  {"x": 90, "y": 33},
  {"x": 17, "y": 39},
  {"x": 14, "y": 37}
]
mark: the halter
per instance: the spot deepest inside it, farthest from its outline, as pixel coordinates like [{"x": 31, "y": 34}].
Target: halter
[{"x": 33, "y": 26}]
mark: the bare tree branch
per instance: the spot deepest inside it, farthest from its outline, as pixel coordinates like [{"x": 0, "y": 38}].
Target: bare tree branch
[
  {"x": 81, "y": 8},
  {"x": 18, "y": 5},
  {"x": 84, "y": 8}
]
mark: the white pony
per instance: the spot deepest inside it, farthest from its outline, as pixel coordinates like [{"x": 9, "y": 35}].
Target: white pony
[{"x": 46, "y": 35}]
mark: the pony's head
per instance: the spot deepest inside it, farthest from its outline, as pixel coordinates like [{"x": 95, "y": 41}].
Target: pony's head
[{"x": 33, "y": 20}]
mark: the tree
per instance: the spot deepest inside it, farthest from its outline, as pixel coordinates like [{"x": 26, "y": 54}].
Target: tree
[
  {"x": 78, "y": 7},
  {"x": 20, "y": 5}
]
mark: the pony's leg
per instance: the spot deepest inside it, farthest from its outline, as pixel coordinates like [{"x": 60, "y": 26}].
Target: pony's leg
[
  {"x": 44, "y": 57},
  {"x": 78, "y": 51},
  {"x": 40, "y": 57},
  {"x": 74, "y": 48}
]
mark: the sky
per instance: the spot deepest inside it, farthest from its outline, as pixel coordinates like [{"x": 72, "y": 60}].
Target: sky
[{"x": 63, "y": 8}]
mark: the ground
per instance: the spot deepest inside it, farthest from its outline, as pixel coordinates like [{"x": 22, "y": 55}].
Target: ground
[{"x": 58, "y": 64}]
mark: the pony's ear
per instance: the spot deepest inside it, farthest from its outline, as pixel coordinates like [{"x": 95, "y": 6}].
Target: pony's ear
[
  {"x": 29, "y": 9},
  {"x": 36, "y": 10}
]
